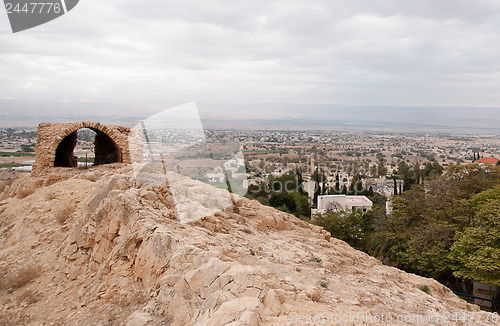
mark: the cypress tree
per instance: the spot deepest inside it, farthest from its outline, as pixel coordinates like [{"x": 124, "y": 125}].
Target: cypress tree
[
  {"x": 300, "y": 180},
  {"x": 317, "y": 192}
]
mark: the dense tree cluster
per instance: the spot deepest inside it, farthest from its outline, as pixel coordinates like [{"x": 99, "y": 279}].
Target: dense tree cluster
[
  {"x": 284, "y": 192},
  {"x": 447, "y": 227},
  {"x": 27, "y": 148},
  {"x": 476, "y": 251}
]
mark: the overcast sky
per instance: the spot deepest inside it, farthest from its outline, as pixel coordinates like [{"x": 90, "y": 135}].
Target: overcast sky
[{"x": 359, "y": 52}]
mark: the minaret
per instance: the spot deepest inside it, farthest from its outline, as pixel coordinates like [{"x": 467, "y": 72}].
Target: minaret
[{"x": 312, "y": 163}]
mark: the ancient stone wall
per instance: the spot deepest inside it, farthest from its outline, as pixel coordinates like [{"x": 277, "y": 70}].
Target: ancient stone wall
[{"x": 111, "y": 144}]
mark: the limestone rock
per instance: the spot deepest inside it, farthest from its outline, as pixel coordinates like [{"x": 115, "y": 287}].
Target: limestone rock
[{"x": 124, "y": 257}]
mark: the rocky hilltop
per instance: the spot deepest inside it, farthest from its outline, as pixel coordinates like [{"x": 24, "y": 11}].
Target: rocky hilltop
[{"x": 94, "y": 247}]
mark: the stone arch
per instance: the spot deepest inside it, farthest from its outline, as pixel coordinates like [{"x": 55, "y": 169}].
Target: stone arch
[
  {"x": 105, "y": 149},
  {"x": 56, "y": 142}
]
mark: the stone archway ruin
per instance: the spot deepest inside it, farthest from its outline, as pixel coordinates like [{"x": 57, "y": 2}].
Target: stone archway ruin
[
  {"x": 106, "y": 150},
  {"x": 56, "y": 141}
]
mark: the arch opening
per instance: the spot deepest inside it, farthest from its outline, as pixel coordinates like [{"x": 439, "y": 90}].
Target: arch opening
[{"x": 105, "y": 149}]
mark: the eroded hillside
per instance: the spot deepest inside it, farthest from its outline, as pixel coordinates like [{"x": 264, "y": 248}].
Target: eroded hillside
[{"x": 96, "y": 248}]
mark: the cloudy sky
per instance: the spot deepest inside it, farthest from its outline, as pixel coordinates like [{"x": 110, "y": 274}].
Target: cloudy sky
[{"x": 355, "y": 52}]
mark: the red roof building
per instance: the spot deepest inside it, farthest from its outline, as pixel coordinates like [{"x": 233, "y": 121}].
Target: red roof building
[{"x": 489, "y": 160}]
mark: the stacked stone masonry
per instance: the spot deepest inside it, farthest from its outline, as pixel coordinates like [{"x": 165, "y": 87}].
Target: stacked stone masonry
[{"x": 55, "y": 143}]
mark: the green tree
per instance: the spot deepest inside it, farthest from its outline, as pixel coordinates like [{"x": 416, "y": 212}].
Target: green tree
[
  {"x": 376, "y": 198},
  {"x": 337, "y": 189},
  {"x": 382, "y": 170},
  {"x": 432, "y": 170},
  {"x": 404, "y": 170},
  {"x": 425, "y": 224},
  {"x": 286, "y": 194},
  {"x": 356, "y": 186},
  {"x": 317, "y": 192},
  {"x": 27, "y": 148},
  {"x": 302, "y": 204},
  {"x": 347, "y": 226},
  {"x": 471, "y": 179},
  {"x": 318, "y": 176},
  {"x": 414, "y": 236},
  {"x": 286, "y": 183},
  {"x": 283, "y": 201},
  {"x": 300, "y": 180},
  {"x": 476, "y": 252},
  {"x": 258, "y": 191}
]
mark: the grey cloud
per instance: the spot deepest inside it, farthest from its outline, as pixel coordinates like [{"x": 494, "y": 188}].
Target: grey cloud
[{"x": 353, "y": 52}]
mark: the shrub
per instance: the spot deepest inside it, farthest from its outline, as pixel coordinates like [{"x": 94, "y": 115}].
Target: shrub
[
  {"x": 315, "y": 259},
  {"x": 425, "y": 289},
  {"x": 323, "y": 283},
  {"x": 284, "y": 201}
]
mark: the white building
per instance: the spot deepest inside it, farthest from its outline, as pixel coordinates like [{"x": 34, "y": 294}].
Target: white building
[
  {"x": 309, "y": 187},
  {"x": 342, "y": 203}
]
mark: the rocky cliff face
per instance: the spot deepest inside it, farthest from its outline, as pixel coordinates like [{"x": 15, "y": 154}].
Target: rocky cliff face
[{"x": 96, "y": 248}]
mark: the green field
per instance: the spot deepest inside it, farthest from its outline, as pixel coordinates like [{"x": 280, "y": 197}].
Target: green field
[
  {"x": 261, "y": 152},
  {"x": 11, "y": 165},
  {"x": 7, "y": 154},
  {"x": 89, "y": 160}
]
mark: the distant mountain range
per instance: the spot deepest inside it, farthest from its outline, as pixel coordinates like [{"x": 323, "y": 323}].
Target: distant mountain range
[{"x": 270, "y": 116}]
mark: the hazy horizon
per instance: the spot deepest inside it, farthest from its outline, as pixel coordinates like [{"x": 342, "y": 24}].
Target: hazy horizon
[
  {"x": 267, "y": 116},
  {"x": 375, "y": 64}
]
